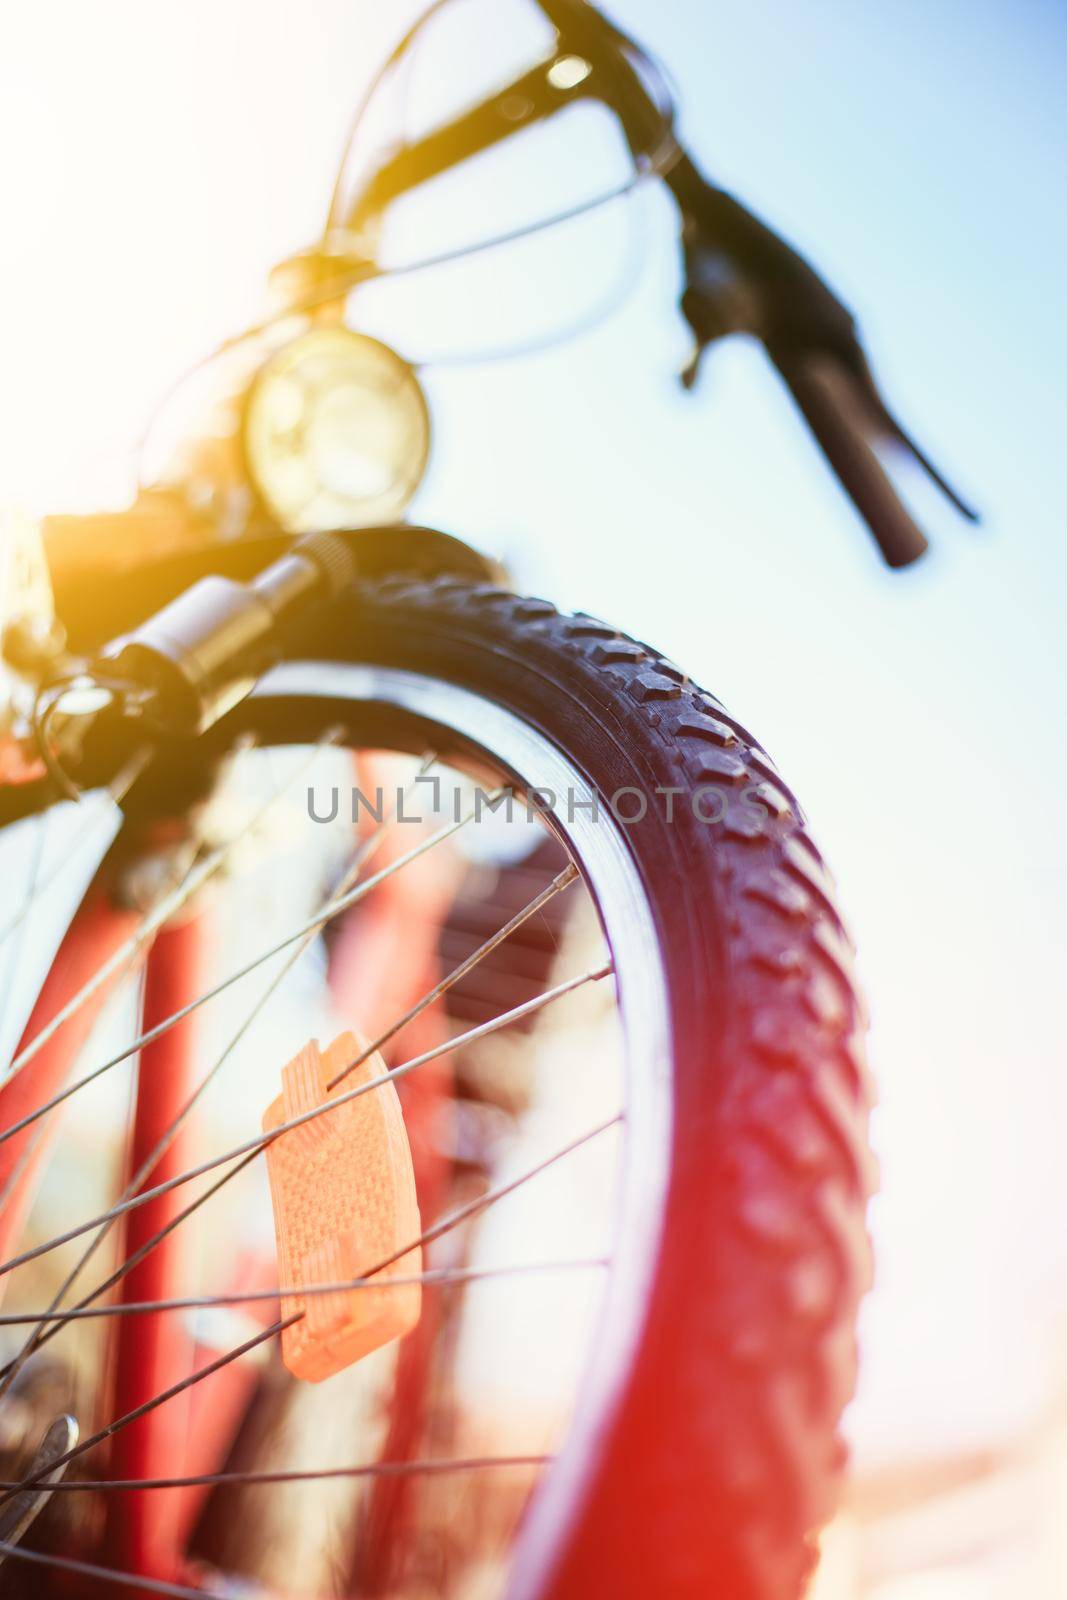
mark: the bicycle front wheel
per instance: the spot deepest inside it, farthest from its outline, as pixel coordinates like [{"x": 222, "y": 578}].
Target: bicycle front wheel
[
  {"x": 705, "y": 1454},
  {"x": 701, "y": 1453}
]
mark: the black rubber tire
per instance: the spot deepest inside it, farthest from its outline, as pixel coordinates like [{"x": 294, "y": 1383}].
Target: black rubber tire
[{"x": 725, "y": 1458}]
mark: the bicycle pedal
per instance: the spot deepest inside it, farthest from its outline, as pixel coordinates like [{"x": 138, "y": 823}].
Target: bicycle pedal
[{"x": 343, "y": 1191}]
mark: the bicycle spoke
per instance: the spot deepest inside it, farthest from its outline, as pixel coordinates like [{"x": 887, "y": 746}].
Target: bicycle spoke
[
  {"x": 453, "y": 1220},
  {"x": 147, "y": 1166},
  {"x": 165, "y": 1395},
  {"x": 24, "y": 1160},
  {"x": 379, "y": 1469},
  {"x": 27, "y": 1154},
  {"x": 431, "y": 1278},
  {"x": 164, "y": 909},
  {"x": 263, "y": 1140},
  {"x": 374, "y": 1469},
  {"x": 128, "y": 1580},
  {"x": 307, "y": 930},
  {"x": 52, "y": 1320},
  {"x": 159, "y": 1399},
  {"x": 491, "y": 1196},
  {"x": 181, "y": 892},
  {"x": 11, "y": 1370},
  {"x": 46, "y": 1332},
  {"x": 562, "y": 880},
  {"x": 211, "y": 1367}
]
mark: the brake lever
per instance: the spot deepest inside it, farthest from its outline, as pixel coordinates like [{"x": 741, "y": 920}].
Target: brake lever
[{"x": 741, "y": 277}]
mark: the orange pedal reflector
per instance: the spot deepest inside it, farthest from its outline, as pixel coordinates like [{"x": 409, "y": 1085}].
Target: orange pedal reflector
[{"x": 343, "y": 1191}]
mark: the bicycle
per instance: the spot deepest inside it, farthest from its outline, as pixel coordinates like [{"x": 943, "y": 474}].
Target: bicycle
[{"x": 701, "y": 1452}]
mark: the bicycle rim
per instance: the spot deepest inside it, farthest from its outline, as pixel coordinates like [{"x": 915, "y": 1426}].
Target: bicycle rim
[{"x": 295, "y": 705}]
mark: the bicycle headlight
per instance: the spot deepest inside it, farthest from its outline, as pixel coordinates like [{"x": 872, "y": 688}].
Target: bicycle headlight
[{"x": 336, "y": 432}]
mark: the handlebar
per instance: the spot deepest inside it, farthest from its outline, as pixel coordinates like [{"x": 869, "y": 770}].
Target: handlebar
[{"x": 739, "y": 275}]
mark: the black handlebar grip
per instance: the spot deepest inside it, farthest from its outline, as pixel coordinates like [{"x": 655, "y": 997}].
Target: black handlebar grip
[{"x": 835, "y": 414}]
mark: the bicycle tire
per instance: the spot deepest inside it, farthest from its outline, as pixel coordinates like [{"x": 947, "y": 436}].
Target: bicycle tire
[
  {"x": 718, "y": 1457},
  {"x": 723, "y": 1457}
]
